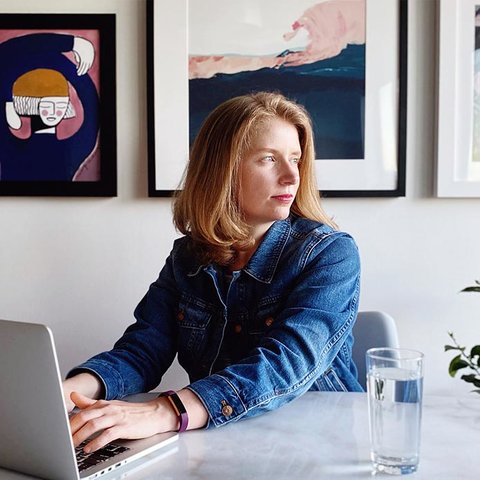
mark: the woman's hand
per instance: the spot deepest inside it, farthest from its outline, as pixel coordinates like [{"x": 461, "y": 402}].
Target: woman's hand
[
  {"x": 86, "y": 383},
  {"x": 84, "y": 53},
  {"x": 117, "y": 419}
]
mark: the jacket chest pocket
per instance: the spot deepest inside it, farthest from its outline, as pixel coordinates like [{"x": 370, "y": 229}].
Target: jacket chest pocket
[
  {"x": 263, "y": 318},
  {"x": 193, "y": 320}
]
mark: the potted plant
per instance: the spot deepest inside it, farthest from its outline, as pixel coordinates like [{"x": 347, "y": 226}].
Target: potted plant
[{"x": 464, "y": 358}]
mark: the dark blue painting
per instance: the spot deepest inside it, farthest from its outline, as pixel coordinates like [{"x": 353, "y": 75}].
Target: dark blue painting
[
  {"x": 314, "y": 53},
  {"x": 54, "y": 92}
]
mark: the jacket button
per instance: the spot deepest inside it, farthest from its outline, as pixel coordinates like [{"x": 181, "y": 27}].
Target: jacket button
[
  {"x": 227, "y": 410},
  {"x": 237, "y": 328},
  {"x": 180, "y": 316},
  {"x": 268, "y": 321}
]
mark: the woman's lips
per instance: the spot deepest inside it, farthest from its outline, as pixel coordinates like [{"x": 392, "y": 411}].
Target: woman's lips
[{"x": 286, "y": 198}]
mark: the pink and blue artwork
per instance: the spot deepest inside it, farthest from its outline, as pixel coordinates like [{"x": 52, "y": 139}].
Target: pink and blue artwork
[
  {"x": 312, "y": 51},
  {"x": 50, "y": 92},
  {"x": 57, "y": 94}
]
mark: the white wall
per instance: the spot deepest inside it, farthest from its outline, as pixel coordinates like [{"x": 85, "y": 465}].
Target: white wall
[{"x": 82, "y": 264}]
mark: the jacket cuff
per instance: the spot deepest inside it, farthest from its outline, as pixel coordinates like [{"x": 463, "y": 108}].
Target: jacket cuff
[
  {"x": 112, "y": 389},
  {"x": 220, "y": 398}
]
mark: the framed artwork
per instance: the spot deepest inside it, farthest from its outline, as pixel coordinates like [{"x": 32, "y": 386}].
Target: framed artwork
[
  {"x": 58, "y": 104},
  {"x": 458, "y": 112},
  {"x": 345, "y": 61}
]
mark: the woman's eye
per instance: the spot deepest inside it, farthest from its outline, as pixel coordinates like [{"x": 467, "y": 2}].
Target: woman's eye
[
  {"x": 269, "y": 158},
  {"x": 295, "y": 160}
]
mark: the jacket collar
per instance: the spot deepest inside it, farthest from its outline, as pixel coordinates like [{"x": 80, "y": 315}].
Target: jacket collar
[{"x": 264, "y": 261}]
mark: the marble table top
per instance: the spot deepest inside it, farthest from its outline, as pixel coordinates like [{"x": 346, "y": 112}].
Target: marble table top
[{"x": 320, "y": 435}]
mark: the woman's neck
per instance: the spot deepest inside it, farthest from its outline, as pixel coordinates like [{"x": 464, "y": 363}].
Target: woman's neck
[
  {"x": 38, "y": 126},
  {"x": 241, "y": 259}
]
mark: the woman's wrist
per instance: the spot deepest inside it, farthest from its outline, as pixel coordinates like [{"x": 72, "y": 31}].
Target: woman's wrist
[
  {"x": 178, "y": 408},
  {"x": 197, "y": 413},
  {"x": 168, "y": 418},
  {"x": 195, "y": 410},
  {"x": 85, "y": 383}
]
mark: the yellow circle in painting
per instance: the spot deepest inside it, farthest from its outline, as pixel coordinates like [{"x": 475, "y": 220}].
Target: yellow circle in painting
[{"x": 41, "y": 82}]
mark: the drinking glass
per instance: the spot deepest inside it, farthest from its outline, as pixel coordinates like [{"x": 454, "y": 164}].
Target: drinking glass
[{"x": 394, "y": 387}]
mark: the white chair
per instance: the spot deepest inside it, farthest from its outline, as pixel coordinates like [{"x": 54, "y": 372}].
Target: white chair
[{"x": 372, "y": 329}]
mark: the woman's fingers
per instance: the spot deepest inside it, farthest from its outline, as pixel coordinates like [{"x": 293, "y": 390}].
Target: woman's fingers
[
  {"x": 107, "y": 436},
  {"x": 90, "y": 428},
  {"x": 112, "y": 420},
  {"x": 90, "y": 413},
  {"x": 81, "y": 401}
]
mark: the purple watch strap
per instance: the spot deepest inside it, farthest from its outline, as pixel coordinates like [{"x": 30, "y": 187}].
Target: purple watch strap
[{"x": 178, "y": 407}]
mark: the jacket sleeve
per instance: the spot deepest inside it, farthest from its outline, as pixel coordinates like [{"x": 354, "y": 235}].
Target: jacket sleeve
[
  {"x": 302, "y": 342},
  {"x": 147, "y": 348}
]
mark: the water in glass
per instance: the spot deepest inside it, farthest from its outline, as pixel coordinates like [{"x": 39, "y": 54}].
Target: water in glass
[{"x": 394, "y": 398}]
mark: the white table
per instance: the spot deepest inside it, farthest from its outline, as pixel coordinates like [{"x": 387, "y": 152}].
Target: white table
[{"x": 320, "y": 435}]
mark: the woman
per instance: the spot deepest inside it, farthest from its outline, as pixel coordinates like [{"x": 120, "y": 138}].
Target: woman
[{"x": 258, "y": 298}]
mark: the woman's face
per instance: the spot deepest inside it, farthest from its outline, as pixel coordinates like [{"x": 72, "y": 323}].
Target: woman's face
[
  {"x": 52, "y": 110},
  {"x": 269, "y": 175}
]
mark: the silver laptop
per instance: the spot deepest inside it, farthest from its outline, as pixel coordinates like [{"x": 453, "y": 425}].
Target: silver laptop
[{"x": 34, "y": 429}]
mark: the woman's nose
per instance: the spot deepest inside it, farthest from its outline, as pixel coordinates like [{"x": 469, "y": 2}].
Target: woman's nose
[{"x": 290, "y": 174}]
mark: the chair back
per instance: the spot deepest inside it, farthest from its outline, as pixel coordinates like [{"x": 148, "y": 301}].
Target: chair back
[{"x": 372, "y": 329}]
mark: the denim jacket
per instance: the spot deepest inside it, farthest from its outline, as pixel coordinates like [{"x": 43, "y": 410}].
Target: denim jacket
[{"x": 292, "y": 309}]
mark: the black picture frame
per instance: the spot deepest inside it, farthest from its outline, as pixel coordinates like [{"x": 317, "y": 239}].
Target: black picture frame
[
  {"x": 164, "y": 101},
  {"x": 99, "y": 115}
]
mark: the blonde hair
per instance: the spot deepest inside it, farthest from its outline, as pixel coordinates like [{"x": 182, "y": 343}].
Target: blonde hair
[{"x": 207, "y": 208}]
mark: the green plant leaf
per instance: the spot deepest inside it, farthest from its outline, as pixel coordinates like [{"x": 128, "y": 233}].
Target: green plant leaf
[
  {"x": 450, "y": 347},
  {"x": 475, "y": 351},
  {"x": 471, "y": 379},
  {"x": 456, "y": 364},
  {"x": 471, "y": 289}
]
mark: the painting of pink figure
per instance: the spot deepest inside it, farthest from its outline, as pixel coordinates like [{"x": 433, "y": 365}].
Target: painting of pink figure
[
  {"x": 311, "y": 50},
  {"x": 57, "y": 92}
]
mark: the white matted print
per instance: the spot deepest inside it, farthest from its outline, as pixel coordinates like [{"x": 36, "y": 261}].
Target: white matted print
[
  {"x": 458, "y": 117},
  {"x": 375, "y": 167}
]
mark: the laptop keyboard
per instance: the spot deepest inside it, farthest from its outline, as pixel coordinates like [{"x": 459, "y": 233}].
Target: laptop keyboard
[{"x": 87, "y": 460}]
